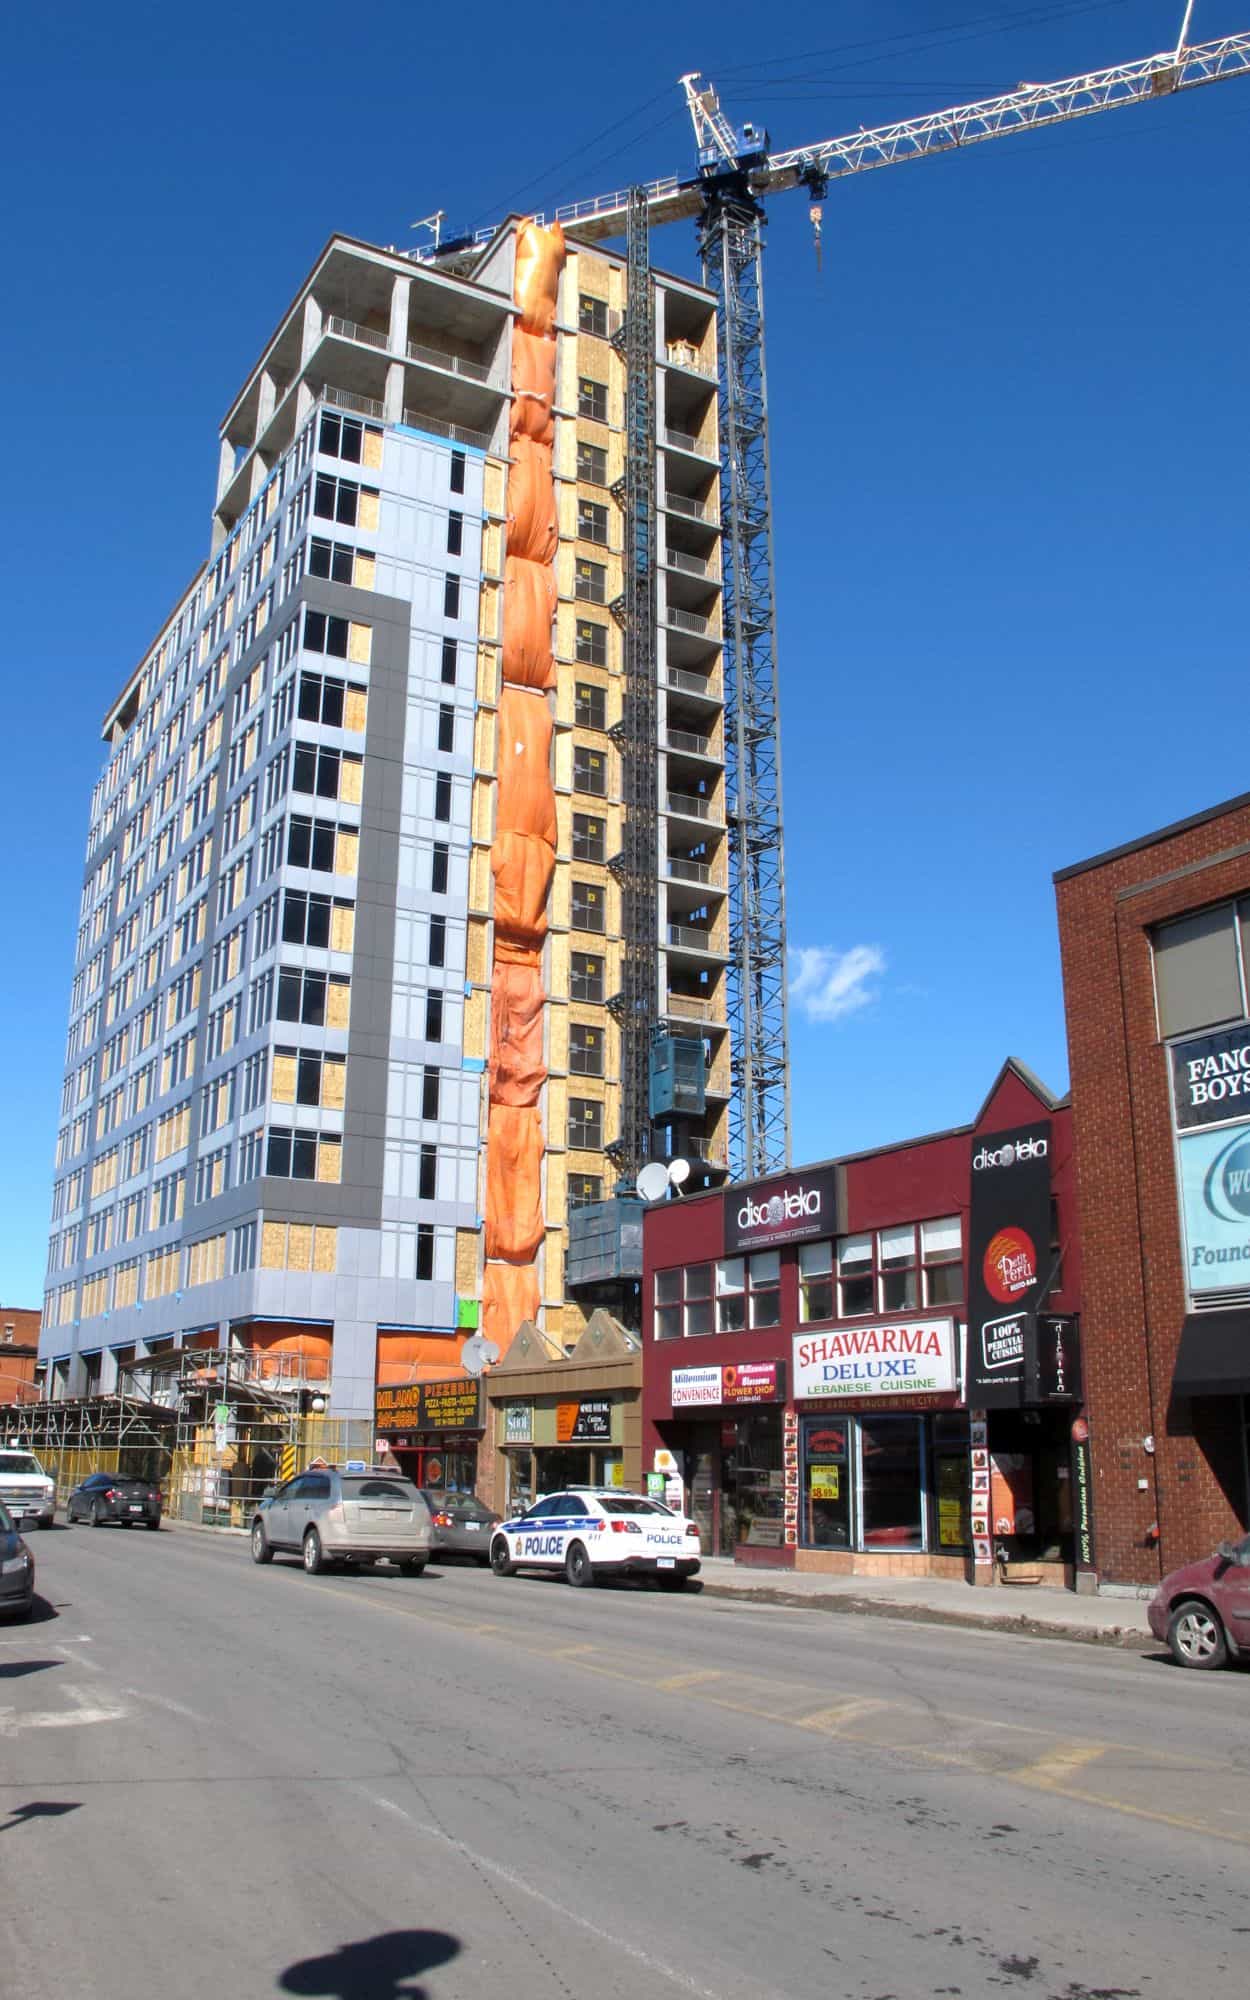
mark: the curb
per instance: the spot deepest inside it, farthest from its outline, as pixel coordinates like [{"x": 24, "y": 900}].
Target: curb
[{"x": 1020, "y": 1624}]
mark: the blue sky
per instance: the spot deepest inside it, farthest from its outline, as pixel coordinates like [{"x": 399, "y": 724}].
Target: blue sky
[{"x": 1009, "y": 441}]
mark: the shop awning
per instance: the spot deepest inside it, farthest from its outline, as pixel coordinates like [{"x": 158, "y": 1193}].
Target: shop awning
[{"x": 1214, "y": 1355}]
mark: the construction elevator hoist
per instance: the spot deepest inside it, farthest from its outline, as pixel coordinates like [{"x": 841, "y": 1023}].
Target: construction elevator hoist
[{"x": 737, "y": 173}]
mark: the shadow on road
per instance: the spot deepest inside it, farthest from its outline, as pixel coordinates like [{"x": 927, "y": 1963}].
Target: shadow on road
[
  {"x": 38, "y": 1809},
  {"x": 16, "y": 1670},
  {"x": 377, "y": 1968},
  {"x": 41, "y": 1612}
]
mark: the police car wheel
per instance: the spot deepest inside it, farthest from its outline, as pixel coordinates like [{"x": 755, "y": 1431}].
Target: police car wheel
[
  {"x": 578, "y": 1568},
  {"x": 499, "y": 1558},
  {"x": 673, "y": 1582}
]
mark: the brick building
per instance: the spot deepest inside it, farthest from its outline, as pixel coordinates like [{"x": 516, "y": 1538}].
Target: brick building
[
  {"x": 19, "y": 1353},
  {"x": 1157, "y": 983}
]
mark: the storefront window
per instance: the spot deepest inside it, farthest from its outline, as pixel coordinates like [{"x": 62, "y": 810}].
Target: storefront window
[
  {"x": 896, "y": 1250},
  {"x": 891, "y": 1455},
  {"x": 950, "y": 1480},
  {"x": 815, "y": 1281},
  {"x": 731, "y": 1305},
  {"x": 765, "y": 1274},
  {"x": 941, "y": 1248},
  {"x": 826, "y": 1488},
  {"x": 855, "y": 1284},
  {"x": 754, "y": 1483}
]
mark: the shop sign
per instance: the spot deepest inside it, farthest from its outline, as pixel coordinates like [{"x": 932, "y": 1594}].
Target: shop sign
[
  {"x": 695, "y": 1388},
  {"x": 1053, "y": 1360},
  {"x": 1211, "y": 1078},
  {"x": 518, "y": 1423},
  {"x": 908, "y": 1358},
  {"x": 586, "y": 1422},
  {"x": 430, "y": 1406},
  {"x": 1215, "y": 1204},
  {"x": 789, "y": 1208},
  {"x": 825, "y": 1481},
  {"x": 1008, "y": 1259},
  {"x": 753, "y": 1382},
  {"x": 1082, "y": 1496}
]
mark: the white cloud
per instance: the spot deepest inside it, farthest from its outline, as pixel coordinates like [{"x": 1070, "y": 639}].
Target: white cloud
[{"x": 826, "y": 984}]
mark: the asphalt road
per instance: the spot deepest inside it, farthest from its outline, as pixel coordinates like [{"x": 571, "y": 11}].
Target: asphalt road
[{"x": 217, "y": 1779}]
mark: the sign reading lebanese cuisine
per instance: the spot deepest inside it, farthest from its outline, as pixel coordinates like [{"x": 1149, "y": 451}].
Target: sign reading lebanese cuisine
[{"x": 905, "y": 1358}]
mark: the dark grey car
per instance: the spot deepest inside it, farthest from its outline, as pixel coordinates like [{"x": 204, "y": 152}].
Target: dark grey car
[
  {"x": 461, "y": 1523},
  {"x": 17, "y": 1571}
]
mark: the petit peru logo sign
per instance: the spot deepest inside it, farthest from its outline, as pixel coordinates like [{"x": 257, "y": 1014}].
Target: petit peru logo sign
[{"x": 1009, "y": 1266}]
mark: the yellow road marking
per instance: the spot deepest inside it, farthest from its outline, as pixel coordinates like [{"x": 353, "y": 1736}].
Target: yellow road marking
[
  {"x": 834, "y": 1718},
  {"x": 1057, "y": 1764},
  {"x": 672, "y": 1682}
]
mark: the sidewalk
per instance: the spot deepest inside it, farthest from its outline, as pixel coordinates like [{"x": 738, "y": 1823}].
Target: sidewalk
[{"x": 1040, "y": 1613}]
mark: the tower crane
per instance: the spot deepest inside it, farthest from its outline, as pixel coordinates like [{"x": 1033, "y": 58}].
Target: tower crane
[{"x": 737, "y": 172}]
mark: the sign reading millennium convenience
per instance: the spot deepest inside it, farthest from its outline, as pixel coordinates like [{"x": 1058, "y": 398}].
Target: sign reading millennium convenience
[
  {"x": 430, "y": 1406},
  {"x": 1211, "y": 1101},
  {"x": 1008, "y": 1259},
  {"x": 789, "y": 1208}
]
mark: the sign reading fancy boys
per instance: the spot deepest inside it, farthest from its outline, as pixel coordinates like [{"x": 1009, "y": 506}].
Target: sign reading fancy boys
[{"x": 907, "y": 1358}]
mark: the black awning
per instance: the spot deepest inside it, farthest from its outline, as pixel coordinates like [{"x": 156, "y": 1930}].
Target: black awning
[{"x": 1214, "y": 1355}]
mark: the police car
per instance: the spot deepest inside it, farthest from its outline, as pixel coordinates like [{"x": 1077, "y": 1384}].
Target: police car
[{"x": 598, "y": 1531}]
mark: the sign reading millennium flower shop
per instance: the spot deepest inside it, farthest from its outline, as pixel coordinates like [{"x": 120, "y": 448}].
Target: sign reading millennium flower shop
[{"x": 430, "y": 1406}]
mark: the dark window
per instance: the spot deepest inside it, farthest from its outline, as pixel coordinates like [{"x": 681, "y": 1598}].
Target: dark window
[
  {"x": 316, "y": 771},
  {"x": 586, "y": 1124},
  {"x": 589, "y": 906},
  {"x": 585, "y": 1050},
  {"x": 592, "y": 315},
  {"x": 440, "y": 857},
  {"x": 592, "y": 400},
  {"x": 592, "y": 464},
  {"x": 590, "y": 706},
  {"x": 433, "y": 1017},
  {"x": 591, "y": 643},
  {"x": 450, "y": 662},
  {"x": 442, "y": 796},
  {"x": 941, "y": 1253},
  {"x": 451, "y": 597},
  {"x": 305, "y": 919},
  {"x": 425, "y": 1250},
  {"x": 455, "y": 475},
  {"x": 291, "y": 1156},
  {"x": 590, "y": 581},
  {"x": 310, "y": 844},
  {"x": 592, "y": 522},
  {"x": 323, "y": 634},
  {"x": 308, "y": 1080},
  {"x": 586, "y": 978},
  {"x": 321, "y": 696},
  {"x": 455, "y": 534},
  {"x": 335, "y": 500},
  {"x": 585, "y": 1188},
  {"x": 446, "y": 726},
  {"x": 341, "y": 438},
  {"x": 430, "y": 1091},
  {"x": 438, "y": 941},
  {"x": 302, "y": 997},
  {"x": 896, "y": 1253},
  {"x": 332, "y": 559},
  {"x": 590, "y": 771},
  {"x": 428, "y": 1175},
  {"x": 589, "y": 838}
]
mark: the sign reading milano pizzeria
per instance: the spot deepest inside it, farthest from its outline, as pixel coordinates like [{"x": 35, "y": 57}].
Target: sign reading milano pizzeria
[
  {"x": 1008, "y": 1259},
  {"x": 789, "y": 1208}
]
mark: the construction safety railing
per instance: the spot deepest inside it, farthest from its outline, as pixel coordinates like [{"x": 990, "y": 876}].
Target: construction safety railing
[
  {"x": 365, "y": 336},
  {"x": 689, "y": 806},
  {"x": 456, "y": 364},
  {"x": 685, "y": 739},
  {"x": 421, "y": 420},
  {"x": 694, "y": 510},
  {"x": 691, "y": 683},
  {"x": 683, "y": 441}
]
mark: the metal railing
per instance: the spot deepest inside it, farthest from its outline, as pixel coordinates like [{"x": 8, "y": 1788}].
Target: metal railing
[
  {"x": 679, "y": 677},
  {"x": 457, "y": 364},
  {"x": 691, "y": 807},
  {"x": 692, "y": 938},
  {"x": 682, "y": 870},
  {"x": 685, "y": 739},
  {"x": 692, "y": 565},
  {"x": 690, "y": 621},
  {"x": 420, "y": 420},
  {"x": 682, "y": 441},
  {"x": 692, "y": 361},
  {"x": 347, "y": 399},
  {"x": 349, "y": 329},
  {"x": 694, "y": 510},
  {"x": 683, "y": 1007}
]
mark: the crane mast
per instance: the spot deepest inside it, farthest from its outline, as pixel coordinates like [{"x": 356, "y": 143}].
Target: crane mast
[{"x": 726, "y": 200}]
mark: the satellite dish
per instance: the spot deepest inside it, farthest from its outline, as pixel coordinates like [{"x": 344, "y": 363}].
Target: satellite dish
[
  {"x": 653, "y": 1181},
  {"x": 679, "y": 1172},
  {"x": 478, "y": 1354}
]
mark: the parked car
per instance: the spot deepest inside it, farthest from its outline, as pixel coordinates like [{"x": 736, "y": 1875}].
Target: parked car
[
  {"x": 114, "y": 1496},
  {"x": 597, "y": 1531},
  {"x": 330, "y": 1517},
  {"x": 462, "y": 1524},
  {"x": 26, "y": 1489},
  {"x": 17, "y": 1571},
  {"x": 1203, "y": 1610}
]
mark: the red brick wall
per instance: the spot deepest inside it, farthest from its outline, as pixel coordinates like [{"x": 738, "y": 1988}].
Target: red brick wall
[{"x": 1133, "y": 1292}]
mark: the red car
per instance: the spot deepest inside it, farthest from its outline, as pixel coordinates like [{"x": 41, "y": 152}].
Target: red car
[{"x": 1203, "y": 1610}]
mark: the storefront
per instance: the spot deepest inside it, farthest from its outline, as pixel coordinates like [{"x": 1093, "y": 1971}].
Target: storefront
[
  {"x": 557, "y": 1420},
  {"x": 807, "y": 1359},
  {"x": 433, "y": 1430}
]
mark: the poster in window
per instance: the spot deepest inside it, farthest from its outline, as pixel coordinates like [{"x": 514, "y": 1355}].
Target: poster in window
[
  {"x": 952, "y": 1499},
  {"x": 1008, "y": 1259}
]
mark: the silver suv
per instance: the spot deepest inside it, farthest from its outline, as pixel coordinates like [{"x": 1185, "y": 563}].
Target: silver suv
[{"x": 330, "y": 1517}]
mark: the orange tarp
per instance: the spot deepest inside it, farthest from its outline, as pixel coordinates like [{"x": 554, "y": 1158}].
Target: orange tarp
[
  {"x": 527, "y": 802},
  {"x": 533, "y": 387},
  {"x": 514, "y": 1208},
  {"x": 539, "y": 261},
  {"x": 531, "y": 503},
  {"x": 522, "y": 866},
  {"x": 509, "y": 1296},
  {"x": 517, "y": 1003},
  {"x": 529, "y": 605},
  {"x": 417, "y": 1357}
]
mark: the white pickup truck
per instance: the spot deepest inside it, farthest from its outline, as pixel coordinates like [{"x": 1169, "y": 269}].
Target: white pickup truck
[{"x": 25, "y": 1488}]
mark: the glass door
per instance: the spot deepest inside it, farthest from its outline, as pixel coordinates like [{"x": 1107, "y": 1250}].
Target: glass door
[
  {"x": 891, "y": 1484},
  {"x": 826, "y": 1489}
]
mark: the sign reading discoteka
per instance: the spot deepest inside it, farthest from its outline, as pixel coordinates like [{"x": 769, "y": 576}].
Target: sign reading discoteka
[{"x": 789, "y": 1208}]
